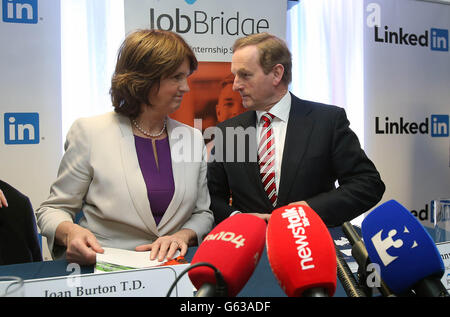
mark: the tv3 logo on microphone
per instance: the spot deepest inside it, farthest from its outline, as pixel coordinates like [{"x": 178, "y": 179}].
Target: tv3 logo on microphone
[
  {"x": 20, "y": 11},
  {"x": 21, "y": 128},
  {"x": 401, "y": 242}
]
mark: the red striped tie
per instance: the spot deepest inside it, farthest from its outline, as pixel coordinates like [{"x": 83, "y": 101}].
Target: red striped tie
[{"x": 266, "y": 158}]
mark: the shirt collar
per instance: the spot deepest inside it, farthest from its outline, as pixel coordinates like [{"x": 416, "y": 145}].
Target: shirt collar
[{"x": 280, "y": 109}]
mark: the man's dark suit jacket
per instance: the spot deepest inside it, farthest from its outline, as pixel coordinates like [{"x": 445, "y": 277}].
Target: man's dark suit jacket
[
  {"x": 18, "y": 235},
  {"x": 320, "y": 148}
]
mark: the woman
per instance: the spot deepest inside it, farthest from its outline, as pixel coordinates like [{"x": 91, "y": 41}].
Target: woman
[{"x": 123, "y": 169}]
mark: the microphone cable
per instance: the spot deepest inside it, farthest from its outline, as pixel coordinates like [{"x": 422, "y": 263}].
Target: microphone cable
[{"x": 219, "y": 290}]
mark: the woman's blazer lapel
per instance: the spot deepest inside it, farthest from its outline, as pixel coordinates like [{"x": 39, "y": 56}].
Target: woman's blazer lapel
[
  {"x": 180, "y": 138},
  {"x": 133, "y": 175}
]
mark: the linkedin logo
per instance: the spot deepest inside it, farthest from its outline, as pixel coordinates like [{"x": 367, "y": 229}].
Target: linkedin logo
[
  {"x": 436, "y": 39},
  {"x": 438, "y": 125},
  {"x": 20, "y": 11},
  {"x": 21, "y": 128},
  {"x": 439, "y": 40}
]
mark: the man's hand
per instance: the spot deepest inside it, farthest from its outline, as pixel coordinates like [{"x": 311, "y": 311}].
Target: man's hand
[
  {"x": 304, "y": 203},
  {"x": 264, "y": 217},
  {"x": 3, "y": 201}
]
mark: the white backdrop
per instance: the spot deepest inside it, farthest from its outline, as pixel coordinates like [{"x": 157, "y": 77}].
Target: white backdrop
[
  {"x": 30, "y": 89},
  {"x": 209, "y": 27},
  {"x": 407, "y": 84}
]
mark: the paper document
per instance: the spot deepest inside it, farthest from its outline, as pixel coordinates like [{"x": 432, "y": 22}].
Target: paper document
[{"x": 119, "y": 259}]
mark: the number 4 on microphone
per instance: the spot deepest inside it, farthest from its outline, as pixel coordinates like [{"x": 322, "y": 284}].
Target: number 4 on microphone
[{"x": 227, "y": 237}]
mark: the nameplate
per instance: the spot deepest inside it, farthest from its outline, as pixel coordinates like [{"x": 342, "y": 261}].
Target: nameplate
[
  {"x": 149, "y": 282},
  {"x": 444, "y": 250}
]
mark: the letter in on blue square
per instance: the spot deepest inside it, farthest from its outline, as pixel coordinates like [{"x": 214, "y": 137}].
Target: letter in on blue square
[
  {"x": 20, "y": 11},
  {"x": 21, "y": 128},
  {"x": 439, "y": 40},
  {"x": 439, "y": 125}
]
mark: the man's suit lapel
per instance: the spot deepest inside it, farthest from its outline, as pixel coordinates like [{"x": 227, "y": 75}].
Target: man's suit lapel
[
  {"x": 133, "y": 175},
  {"x": 297, "y": 138}
]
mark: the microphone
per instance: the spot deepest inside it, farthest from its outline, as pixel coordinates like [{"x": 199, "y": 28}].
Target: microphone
[
  {"x": 301, "y": 252},
  {"x": 346, "y": 277},
  {"x": 234, "y": 247},
  {"x": 359, "y": 253},
  {"x": 400, "y": 245}
]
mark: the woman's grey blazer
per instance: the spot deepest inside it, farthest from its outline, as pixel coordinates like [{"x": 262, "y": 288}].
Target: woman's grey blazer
[{"x": 100, "y": 175}]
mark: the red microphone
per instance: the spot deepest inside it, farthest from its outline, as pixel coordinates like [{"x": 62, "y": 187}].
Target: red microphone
[
  {"x": 301, "y": 252},
  {"x": 234, "y": 248}
]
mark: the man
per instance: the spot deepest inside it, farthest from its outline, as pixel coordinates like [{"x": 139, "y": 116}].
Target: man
[{"x": 302, "y": 148}]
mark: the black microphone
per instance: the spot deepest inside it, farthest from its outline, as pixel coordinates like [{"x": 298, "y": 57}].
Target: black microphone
[
  {"x": 345, "y": 275},
  {"x": 359, "y": 253}
]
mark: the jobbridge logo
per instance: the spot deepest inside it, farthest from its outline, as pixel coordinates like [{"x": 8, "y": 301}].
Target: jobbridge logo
[
  {"x": 198, "y": 22},
  {"x": 20, "y": 11}
]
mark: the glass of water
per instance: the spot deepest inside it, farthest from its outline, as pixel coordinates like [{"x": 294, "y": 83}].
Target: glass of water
[{"x": 440, "y": 216}]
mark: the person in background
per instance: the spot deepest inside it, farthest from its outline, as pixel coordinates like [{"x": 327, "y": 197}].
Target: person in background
[
  {"x": 229, "y": 103},
  {"x": 124, "y": 170},
  {"x": 19, "y": 240},
  {"x": 298, "y": 151}
]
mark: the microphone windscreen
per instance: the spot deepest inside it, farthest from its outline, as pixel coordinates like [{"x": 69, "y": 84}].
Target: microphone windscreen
[
  {"x": 234, "y": 247},
  {"x": 401, "y": 246},
  {"x": 301, "y": 251}
]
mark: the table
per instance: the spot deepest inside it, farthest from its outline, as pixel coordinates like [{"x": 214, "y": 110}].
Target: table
[{"x": 261, "y": 284}]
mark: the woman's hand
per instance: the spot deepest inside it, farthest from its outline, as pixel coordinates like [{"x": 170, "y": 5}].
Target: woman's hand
[
  {"x": 167, "y": 246},
  {"x": 82, "y": 245}
]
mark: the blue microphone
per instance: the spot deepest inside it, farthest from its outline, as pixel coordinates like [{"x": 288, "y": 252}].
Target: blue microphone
[{"x": 400, "y": 245}]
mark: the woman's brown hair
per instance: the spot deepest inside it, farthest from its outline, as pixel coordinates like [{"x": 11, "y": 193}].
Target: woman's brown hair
[{"x": 145, "y": 57}]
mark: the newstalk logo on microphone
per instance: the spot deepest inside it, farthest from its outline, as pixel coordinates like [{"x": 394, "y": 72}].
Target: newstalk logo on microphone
[{"x": 297, "y": 224}]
